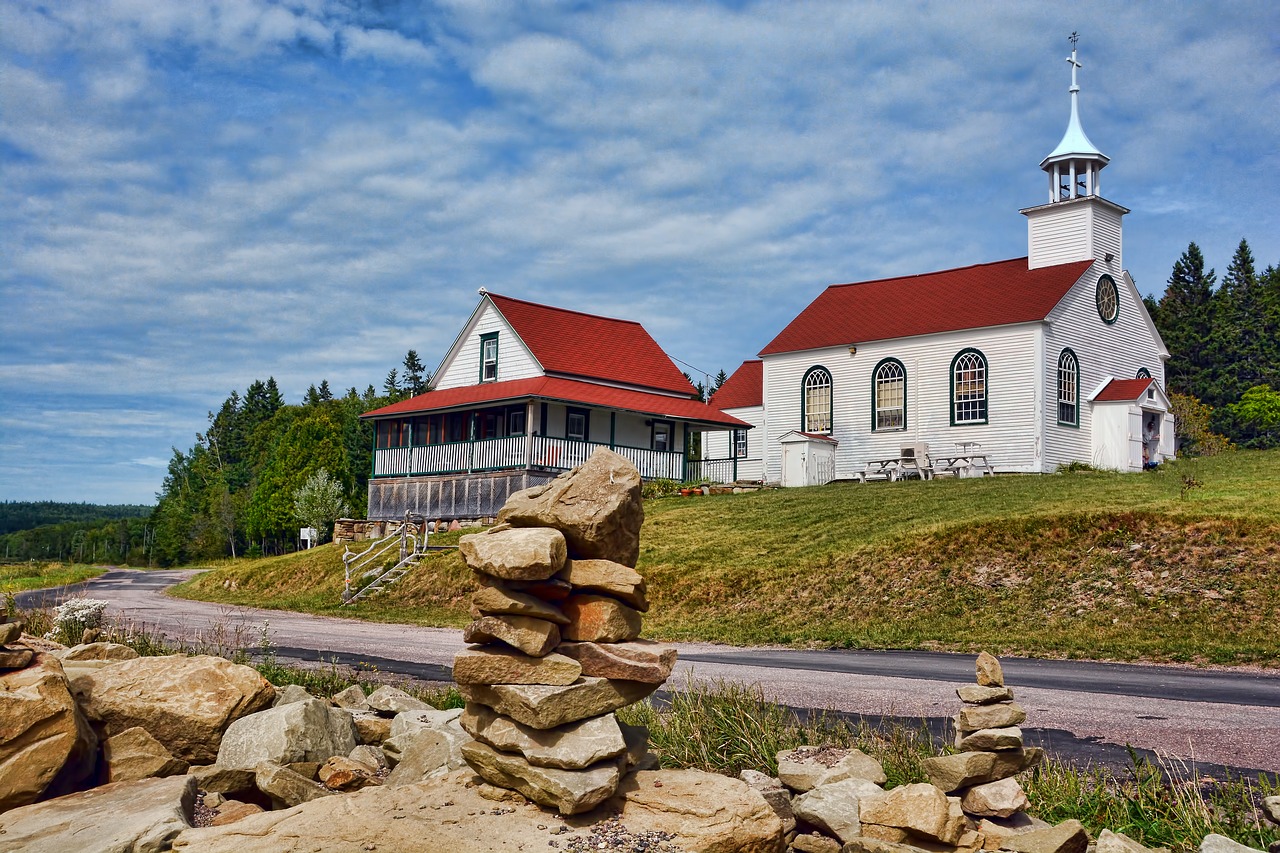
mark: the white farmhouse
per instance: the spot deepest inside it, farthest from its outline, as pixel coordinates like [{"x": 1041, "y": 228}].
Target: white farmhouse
[{"x": 1028, "y": 364}]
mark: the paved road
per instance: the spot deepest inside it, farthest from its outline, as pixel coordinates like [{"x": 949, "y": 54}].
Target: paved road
[{"x": 1081, "y": 710}]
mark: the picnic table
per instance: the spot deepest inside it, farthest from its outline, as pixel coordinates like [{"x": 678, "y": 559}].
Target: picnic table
[
  {"x": 969, "y": 461},
  {"x": 880, "y": 469}
]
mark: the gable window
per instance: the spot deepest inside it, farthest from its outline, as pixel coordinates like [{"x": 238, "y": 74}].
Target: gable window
[
  {"x": 1068, "y": 389},
  {"x": 1143, "y": 373},
  {"x": 489, "y": 357},
  {"x": 969, "y": 388},
  {"x": 889, "y": 396},
  {"x": 576, "y": 422},
  {"x": 662, "y": 432},
  {"x": 740, "y": 444},
  {"x": 1107, "y": 299},
  {"x": 815, "y": 410}
]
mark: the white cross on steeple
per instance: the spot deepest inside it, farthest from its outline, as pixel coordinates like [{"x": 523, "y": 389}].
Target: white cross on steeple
[{"x": 1075, "y": 63}]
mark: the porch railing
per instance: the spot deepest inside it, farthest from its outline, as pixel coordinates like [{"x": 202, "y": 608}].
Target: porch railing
[
  {"x": 711, "y": 470},
  {"x": 515, "y": 452}
]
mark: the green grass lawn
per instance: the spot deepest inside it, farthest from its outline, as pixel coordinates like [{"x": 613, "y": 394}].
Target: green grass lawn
[
  {"x": 1090, "y": 565},
  {"x": 17, "y": 577}
]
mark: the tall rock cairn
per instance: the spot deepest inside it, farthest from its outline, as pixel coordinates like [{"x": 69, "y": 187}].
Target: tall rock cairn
[
  {"x": 987, "y": 729},
  {"x": 555, "y": 639}
]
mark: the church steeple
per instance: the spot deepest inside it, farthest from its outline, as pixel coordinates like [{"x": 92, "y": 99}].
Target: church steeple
[
  {"x": 1074, "y": 165},
  {"x": 1078, "y": 223}
]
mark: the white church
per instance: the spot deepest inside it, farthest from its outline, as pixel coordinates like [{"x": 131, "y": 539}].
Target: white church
[{"x": 1016, "y": 366}]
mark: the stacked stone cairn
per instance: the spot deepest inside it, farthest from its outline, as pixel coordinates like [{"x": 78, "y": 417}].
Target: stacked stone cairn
[
  {"x": 984, "y": 773},
  {"x": 555, "y": 639}
]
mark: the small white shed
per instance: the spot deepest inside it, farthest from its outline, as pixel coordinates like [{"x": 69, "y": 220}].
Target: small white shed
[
  {"x": 808, "y": 459},
  {"x": 1132, "y": 425}
]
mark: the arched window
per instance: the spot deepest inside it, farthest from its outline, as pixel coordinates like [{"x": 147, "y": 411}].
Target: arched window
[
  {"x": 815, "y": 411},
  {"x": 889, "y": 396},
  {"x": 1142, "y": 373},
  {"x": 969, "y": 388},
  {"x": 1068, "y": 388}
]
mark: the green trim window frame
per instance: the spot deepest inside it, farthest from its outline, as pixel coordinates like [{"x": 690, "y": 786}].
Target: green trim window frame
[
  {"x": 577, "y": 424},
  {"x": 1107, "y": 299},
  {"x": 738, "y": 444},
  {"x": 889, "y": 396},
  {"x": 816, "y": 401},
  {"x": 1068, "y": 388},
  {"x": 489, "y": 357},
  {"x": 968, "y": 388},
  {"x": 516, "y": 420},
  {"x": 662, "y": 435}
]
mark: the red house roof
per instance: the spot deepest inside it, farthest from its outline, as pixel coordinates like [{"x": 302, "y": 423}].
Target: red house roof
[
  {"x": 593, "y": 347},
  {"x": 564, "y": 391},
  {"x": 995, "y": 294},
  {"x": 1123, "y": 390},
  {"x": 744, "y": 388}
]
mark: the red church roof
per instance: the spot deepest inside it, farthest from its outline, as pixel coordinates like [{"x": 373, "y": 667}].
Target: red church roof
[
  {"x": 577, "y": 344},
  {"x": 1123, "y": 390},
  {"x": 744, "y": 388},
  {"x": 560, "y": 390},
  {"x": 975, "y": 297}
]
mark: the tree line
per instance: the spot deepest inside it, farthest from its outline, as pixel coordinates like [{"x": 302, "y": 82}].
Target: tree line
[{"x": 1224, "y": 345}]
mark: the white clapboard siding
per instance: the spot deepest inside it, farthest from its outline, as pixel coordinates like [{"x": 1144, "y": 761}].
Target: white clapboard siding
[
  {"x": 719, "y": 444},
  {"x": 1075, "y": 231},
  {"x": 1117, "y": 350},
  {"x": 1010, "y": 437},
  {"x": 461, "y": 366}
]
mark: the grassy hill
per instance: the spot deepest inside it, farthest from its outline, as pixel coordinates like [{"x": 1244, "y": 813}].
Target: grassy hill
[{"x": 1181, "y": 564}]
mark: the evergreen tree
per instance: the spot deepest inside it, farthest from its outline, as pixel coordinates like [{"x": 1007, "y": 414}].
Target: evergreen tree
[
  {"x": 323, "y": 392},
  {"x": 312, "y": 397},
  {"x": 1184, "y": 317},
  {"x": 721, "y": 378},
  {"x": 391, "y": 385},
  {"x": 1236, "y": 344},
  {"x": 414, "y": 374}
]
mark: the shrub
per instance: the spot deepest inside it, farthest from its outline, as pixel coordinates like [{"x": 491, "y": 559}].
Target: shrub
[{"x": 73, "y": 617}]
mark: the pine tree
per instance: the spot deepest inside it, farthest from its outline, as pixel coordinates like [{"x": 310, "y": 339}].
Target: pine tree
[
  {"x": 391, "y": 385},
  {"x": 312, "y": 397},
  {"x": 1184, "y": 317},
  {"x": 414, "y": 370},
  {"x": 323, "y": 392},
  {"x": 721, "y": 378},
  {"x": 1236, "y": 348}
]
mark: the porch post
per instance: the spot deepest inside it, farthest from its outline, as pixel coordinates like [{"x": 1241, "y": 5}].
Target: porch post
[
  {"x": 528, "y": 434},
  {"x": 471, "y": 441},
  {"x": 613, "y": 429}
]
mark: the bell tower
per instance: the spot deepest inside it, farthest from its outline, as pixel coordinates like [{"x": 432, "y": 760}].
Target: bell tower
[{"x": 1078, "y": 223}]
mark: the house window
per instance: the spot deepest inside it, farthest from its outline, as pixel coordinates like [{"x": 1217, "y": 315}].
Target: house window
[
  {"x": 1068, "y": 389},
  {"x": 1143, "y": 373},
  {"x": 455, "y": 424},
  {"x": 489, "y": 357},
  {"x": 740, "y": 444},
  {"x": 969, "y": 388},
  {"x": 662, "y": 432},
  {"x": 889, "y": 396},
  {"x": 515, "y": 422},
  {"x": 575, "y": 424},
  {"x": 815, "y": 415}
]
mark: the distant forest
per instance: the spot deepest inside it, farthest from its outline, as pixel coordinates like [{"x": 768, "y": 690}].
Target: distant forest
[
  {"x": 231, "y": 493},
  {"x": 24, "y": 515}
]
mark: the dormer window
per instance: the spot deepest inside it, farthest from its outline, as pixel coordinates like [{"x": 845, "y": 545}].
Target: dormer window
[{"x": 489, "y": 357}]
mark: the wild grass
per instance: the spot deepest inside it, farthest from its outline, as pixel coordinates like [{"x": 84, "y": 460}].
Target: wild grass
[
  {"x": 1086, "y": 564},
  {"x": 19, "y": 577},
  {"x": 725, "y": 728}
]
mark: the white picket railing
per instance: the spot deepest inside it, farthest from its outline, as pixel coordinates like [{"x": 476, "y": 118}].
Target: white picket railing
[{"x": 517, "y": 451}]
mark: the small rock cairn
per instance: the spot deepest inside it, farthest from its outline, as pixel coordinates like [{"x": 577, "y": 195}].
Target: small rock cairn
[
  {"x": 987, "y": 730},
  {"x": 555, "y": 639}
]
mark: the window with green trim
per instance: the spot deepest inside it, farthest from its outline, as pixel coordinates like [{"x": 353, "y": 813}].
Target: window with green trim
[
  {"x": 1068, "y": 388},
  {"x": 1107, "y": 299},
  {"x": 489, "y": 357},
  {"x": 577, "y": 423},
  {"x": 1142, "y": 373},
  {"x": 740, "y": 443},
  {"x": 969, "y": 388},
  {"x": 815, "y": 400},
  {"x": 889, "y": 396},
  {"x": 663, "y": 432}
]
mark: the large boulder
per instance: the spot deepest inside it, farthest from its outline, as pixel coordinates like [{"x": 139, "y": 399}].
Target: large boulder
[
  {"x": 835, "y": 808},
  {"x": 45, "y": 742},
  {"x": 309, "y": 730},
  {"x": 545, "y": 707},
  {"x": 186, "y": 703},
  {"x": 124, "y": 817},
  {"x": 515, "y": 554},
  {"x": 921, "y": 809},
  {"x": 134, "y": 754},
  {"x": 569, "y": 747},
  {"x": 99, "y": 651},
  {"x": 596, "y": 506},
  {"x": 287, "y": 788}
]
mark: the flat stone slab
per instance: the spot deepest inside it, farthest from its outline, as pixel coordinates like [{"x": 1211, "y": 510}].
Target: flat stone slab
[
  {"x": 997, "y": 716},
  {"x": 535, "y": 637},
  {"x": 527, "y": 553},
  {"x": 600, "y": 619},
  {"x": 976, "y": 694},
  {"x": 988, "y": 740},
  {"x": 573, "y": 746},
  {"x": 543, "y": 707},
  {"x": 608, "y": 577},
  {"x": 494, "y": 664},
  {"x": 807, "y": 767},
  {"x": 495, "y": 599},
  {"x": 567, "y": 791},
  {"x": 638, "y": 660},
  {"x": 964, "y": 769}
]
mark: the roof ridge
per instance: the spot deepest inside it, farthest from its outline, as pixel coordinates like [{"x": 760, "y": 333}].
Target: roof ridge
[
  {"x": 560, "y": 310},
  {"x": 934, "y": 272}
]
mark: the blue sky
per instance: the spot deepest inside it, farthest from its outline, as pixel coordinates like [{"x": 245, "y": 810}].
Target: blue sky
[{"x": 200, "y": 194}]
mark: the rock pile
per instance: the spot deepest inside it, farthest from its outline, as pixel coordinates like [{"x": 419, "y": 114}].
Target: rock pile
[
  {"x": 987, "y": 729},
  {"x": 555, "y": 636}
]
